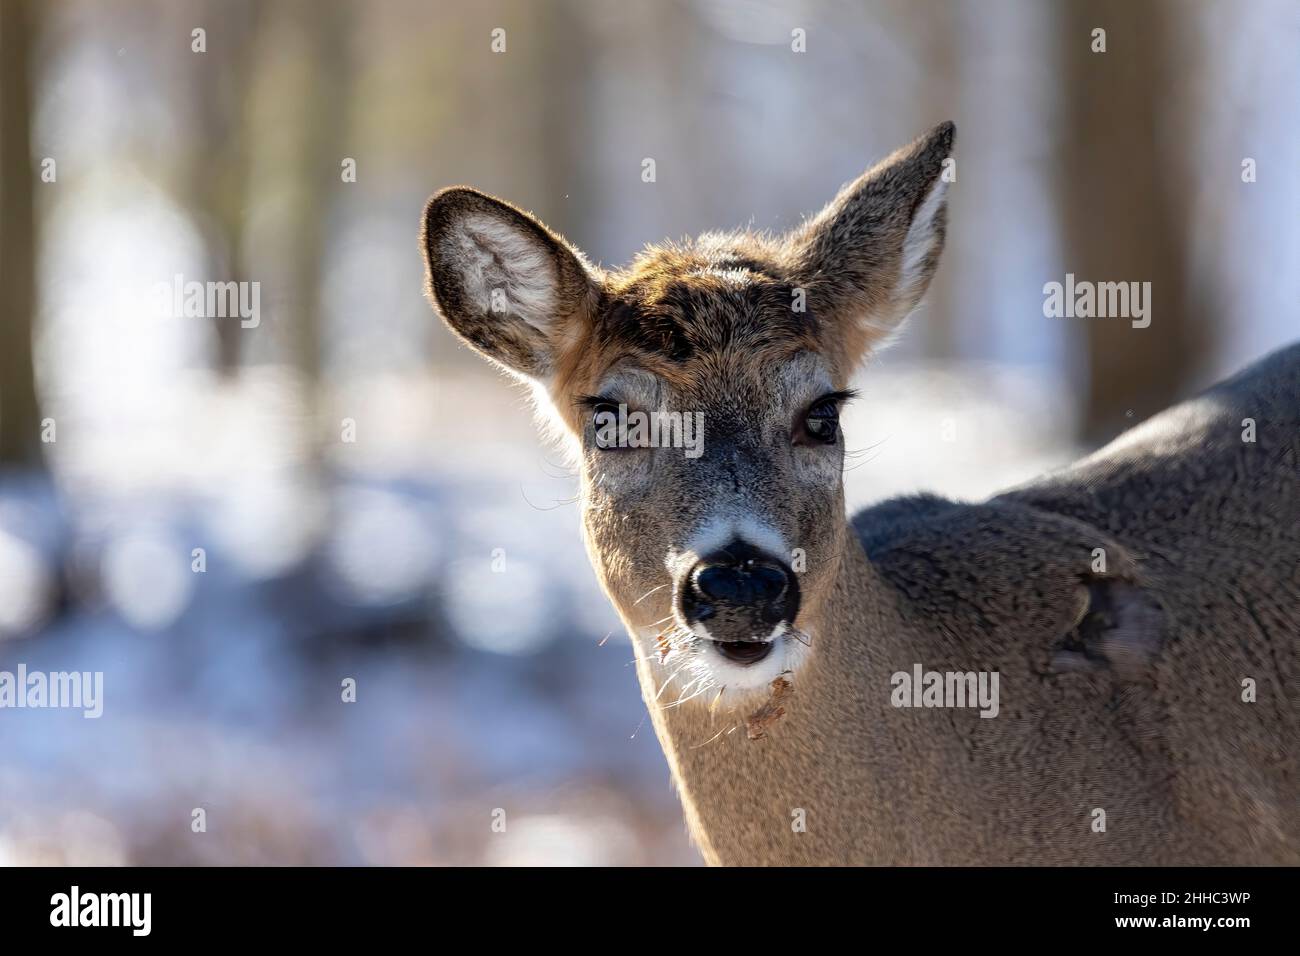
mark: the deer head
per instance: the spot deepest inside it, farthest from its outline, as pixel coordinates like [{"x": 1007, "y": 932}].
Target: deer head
[{"x": 723, "y": 553}]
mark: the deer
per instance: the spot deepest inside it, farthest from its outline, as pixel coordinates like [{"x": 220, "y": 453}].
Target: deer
[{"x": 1138, "y": 609}]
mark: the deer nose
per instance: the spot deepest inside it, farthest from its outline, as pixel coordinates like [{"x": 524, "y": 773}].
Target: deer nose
[
  {"x": 743, "y": 585},
  {"x": 737, "y": 589}
]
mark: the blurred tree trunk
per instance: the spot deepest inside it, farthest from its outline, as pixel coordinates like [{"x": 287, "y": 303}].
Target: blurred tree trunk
[
  {"x": 1126, "y": 204},
  {"x": 217, "y": 168},
  {"x": 318, "y": 174},
  {"x": 20, "y": 415},
  {"x": 563, "y": 54},
  {"x": 300, "y": 123}
]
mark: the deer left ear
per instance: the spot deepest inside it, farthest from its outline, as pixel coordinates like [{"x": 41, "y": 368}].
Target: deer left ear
[
  {"x": 867, "y": 258},
  {"x": 510, "y": 288}
]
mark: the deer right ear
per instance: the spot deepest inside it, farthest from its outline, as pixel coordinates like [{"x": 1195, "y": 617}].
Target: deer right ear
[
  {"x": 868, "y": 257},
  {"x": 510, "y": 288}
]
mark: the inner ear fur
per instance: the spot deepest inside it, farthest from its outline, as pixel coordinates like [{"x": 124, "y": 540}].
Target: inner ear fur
[{"x": 506, "y": 285}]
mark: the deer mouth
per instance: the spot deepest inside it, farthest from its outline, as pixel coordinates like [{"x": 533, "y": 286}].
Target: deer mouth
[{"x": 744, "y": 652}]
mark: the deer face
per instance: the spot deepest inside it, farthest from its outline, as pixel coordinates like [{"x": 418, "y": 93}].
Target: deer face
[{"x": 700, "y": 391}]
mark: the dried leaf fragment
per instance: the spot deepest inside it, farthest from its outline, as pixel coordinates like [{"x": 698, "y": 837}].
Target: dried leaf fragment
[{"x": 756, "y": 724}]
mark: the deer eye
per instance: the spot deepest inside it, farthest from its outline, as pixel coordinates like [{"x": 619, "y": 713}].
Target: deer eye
[
  {"x": 821, "y": 423},
  {"x": 604, "y": 422}
]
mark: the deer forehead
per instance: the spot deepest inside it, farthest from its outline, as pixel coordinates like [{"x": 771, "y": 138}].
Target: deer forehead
[
  {"x": 737, "y": 383},
  {"x": 711, "y": 332}
]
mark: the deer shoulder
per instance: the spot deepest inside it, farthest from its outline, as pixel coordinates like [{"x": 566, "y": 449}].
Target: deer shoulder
[{"x": 996, "y": 579}]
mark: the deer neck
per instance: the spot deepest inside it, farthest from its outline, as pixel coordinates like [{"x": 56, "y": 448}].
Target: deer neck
[{"x": 746, "y": 799}]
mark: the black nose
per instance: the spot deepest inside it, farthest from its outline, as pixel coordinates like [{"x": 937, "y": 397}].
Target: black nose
[
  {"x": 750, "y": 590},
  {"x": 743, "y": 585}
]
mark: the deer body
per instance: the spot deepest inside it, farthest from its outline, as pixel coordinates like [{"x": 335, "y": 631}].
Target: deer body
[
  {"x": 1153, "y": 730},
  {"x": 1123, "y": 607}
]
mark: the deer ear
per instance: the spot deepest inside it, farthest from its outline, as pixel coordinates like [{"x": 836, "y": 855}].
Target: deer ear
[
  {"x": 510, "y": 288},
  {"x": 867, "y": 258}
]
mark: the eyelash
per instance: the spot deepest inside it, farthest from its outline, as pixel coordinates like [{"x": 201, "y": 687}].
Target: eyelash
[{"x": 840, "y": 398}]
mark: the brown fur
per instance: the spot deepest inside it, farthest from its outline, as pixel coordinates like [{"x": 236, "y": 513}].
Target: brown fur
[{"x": 1120, "y": 688}]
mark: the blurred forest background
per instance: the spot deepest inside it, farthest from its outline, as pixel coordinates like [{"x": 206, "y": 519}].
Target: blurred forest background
[{"x": 128, "y": 439}]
